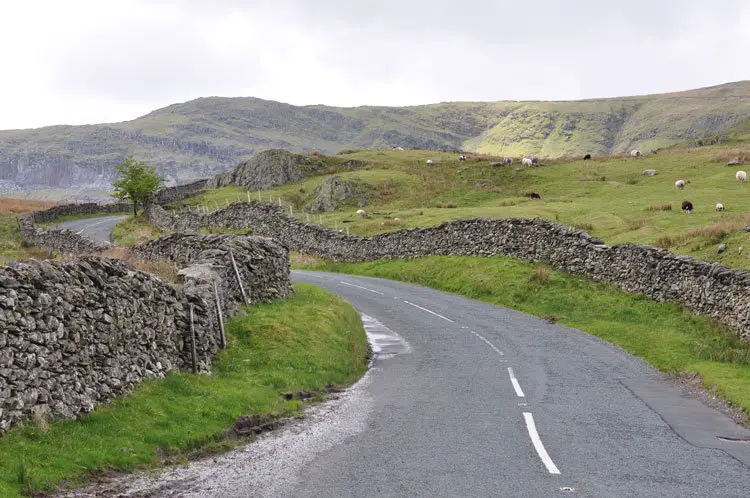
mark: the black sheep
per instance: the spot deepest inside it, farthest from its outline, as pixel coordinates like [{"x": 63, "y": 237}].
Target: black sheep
[
  {"x": 587, "y": 157},
  {"x": 687, "y": 206},
  {"x": 534, "y": 195}
]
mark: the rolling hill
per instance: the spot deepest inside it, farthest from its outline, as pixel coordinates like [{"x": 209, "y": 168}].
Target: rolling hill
[{"x": 199, "y": 138}]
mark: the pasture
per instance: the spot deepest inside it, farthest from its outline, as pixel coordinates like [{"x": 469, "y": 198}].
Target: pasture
[{"x": 607, "y": 197}]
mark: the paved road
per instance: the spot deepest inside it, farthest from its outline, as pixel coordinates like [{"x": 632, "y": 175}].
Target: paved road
[
  {"x": 98, "y": 229},
  {"x": 492, "y": 402}
]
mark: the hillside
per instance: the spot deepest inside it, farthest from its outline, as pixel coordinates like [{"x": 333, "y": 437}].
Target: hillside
[{"x": 196, "y": 139}]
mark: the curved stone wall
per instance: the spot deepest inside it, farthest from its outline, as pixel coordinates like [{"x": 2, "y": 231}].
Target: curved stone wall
[{"x": 706, "y": 288}]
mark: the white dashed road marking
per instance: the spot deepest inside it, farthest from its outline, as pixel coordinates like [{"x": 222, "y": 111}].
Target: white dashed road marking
[
  {"x": 429, "y": 311},
  {"x": 538, "y": 446},
  {"x": 360, "y": 287}
]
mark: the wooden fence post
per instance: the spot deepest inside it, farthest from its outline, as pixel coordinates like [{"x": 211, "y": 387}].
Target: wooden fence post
[
  {"x": 222, "y": 334},
  {"x": 239, "y": 280},
  {"x": 192, "y": 339}
]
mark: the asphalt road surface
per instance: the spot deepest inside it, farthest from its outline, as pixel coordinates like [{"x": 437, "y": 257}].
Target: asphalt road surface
[
  {"x": 98, "y": 229},
  {"x": 465, "y": 398}
]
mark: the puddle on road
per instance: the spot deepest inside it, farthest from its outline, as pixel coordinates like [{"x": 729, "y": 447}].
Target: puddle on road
[{"x": 385, "y": 343}]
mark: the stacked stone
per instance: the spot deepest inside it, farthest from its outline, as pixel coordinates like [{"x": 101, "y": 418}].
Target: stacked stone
[{"x": 706, "y": 288}]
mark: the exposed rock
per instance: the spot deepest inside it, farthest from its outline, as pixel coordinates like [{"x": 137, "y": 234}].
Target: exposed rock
[
  {"x": 336, "y": 191},
  {"x": 269, "y": 169}
]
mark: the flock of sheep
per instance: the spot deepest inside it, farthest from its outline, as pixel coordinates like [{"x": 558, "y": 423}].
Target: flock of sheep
[{"x": 687, "y": 206}]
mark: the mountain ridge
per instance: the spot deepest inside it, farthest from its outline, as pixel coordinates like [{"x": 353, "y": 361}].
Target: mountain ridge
[{"x": 201, "y": 137}]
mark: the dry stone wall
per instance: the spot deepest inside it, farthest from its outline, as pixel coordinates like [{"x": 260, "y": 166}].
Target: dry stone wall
[
  {"x": 74, "y": 334},
  {"x": 706, "y": 288},
  {"x": 180, "y": 192}
]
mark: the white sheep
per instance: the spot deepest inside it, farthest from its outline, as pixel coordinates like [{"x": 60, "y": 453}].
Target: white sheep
[
  {"x": 680, "y": 184},
  {"x": 361, "y": 211},
  {"x": 526, "y": 161},
  {"x": 429, "y": 161},
  {"x": 462, "y": 157},
  {"x": 741, "y": 176},
  {"x": 719, "y": 206},
  {"x": 635, "y": 153}
]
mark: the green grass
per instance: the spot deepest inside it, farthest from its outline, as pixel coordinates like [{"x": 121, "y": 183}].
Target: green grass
[
  {"x": 303, "y": 343},
  {"x": 132, "y": 231},
  {"x": 73, "y": 217},
  {"x": 608, "y": 197},
  {"x": 11, "y": 246},
  {"x": 667, "y": 337}
]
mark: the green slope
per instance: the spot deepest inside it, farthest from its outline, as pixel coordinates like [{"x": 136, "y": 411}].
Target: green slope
[{"x": 196, "y": 139}]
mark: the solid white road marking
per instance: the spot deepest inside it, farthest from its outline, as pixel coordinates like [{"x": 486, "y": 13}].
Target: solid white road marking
[
  {"x": 360, "y": 287},
  {"x": 431, "y": 312},
  {"x": 516, "y": 385},
  {"x": 538, "y": 446}
]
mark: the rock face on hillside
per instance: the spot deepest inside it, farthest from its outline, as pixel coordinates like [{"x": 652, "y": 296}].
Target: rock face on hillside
[
  {"x": 336, "y": 191},
  {"x": 269, "y": 169},
  {"x": 202, "y": 137}
]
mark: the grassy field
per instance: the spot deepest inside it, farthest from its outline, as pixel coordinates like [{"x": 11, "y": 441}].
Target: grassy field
[
  {"x": 661, "y": 333},
  {"x": 608, "y": 197},
  {"x": 132, "y": 231},
  {"x": 304, "y": 343},
  {"x": 11, "y": 247}
]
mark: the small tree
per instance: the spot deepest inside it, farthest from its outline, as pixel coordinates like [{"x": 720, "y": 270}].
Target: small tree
[{"x": 137, "y": 182}]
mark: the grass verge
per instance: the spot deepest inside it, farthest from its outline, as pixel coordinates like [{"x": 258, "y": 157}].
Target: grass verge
[
  {"x": 132, "y": 231},
  {"x": 304, "y": 343},
  {"x": 664, "y": 335}
]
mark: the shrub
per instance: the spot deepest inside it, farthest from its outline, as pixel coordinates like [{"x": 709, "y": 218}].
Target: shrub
[
  {"x": 540, "y": 276},
  {"x": 663, "y": 207}
]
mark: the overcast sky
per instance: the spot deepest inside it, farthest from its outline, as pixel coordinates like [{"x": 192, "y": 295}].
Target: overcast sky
[{"x": 80, "y": 61}]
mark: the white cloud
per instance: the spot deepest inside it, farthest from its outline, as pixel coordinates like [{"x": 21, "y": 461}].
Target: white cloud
[{"x": 86, "y": 61}]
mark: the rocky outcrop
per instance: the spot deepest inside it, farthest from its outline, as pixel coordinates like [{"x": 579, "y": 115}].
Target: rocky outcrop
[
  {"x": 74, "y": 334},
  {"x": 269, "y": 169},
  {"x": 706, "y": 288},
  {"x": 336, "y": 191}
]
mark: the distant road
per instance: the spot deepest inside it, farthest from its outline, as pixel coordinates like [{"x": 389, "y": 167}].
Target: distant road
[{"x": 97, "y": 229}]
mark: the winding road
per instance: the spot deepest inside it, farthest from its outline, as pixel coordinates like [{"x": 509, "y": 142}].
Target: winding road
[
  {"x": 98, "y": 229},
  {"x": 465, "y": 398}
]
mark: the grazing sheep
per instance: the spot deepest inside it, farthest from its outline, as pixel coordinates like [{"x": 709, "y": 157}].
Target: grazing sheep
[
  {"x": 534, "y": 161},
  {"x": 534, "y": 195},
  {"x": 687, "y": 206},
  {"x": 722, "y": 248},
  {"x": 741, "y": 176},
  {"x": 429, "y": 161},
  {"x": 507, "y": 160},
  {"x": 526, "y": 161},
  {"x": 719, "y": 206},
  {"x": 648, "y": 172},
  {"x": 361, "y": 212},
  {"x": 462, "y": 158},
  {"x": 587, "y": 157},
  {"x": 635, "y": 153},
  {"x": 680, "y": 184}
]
